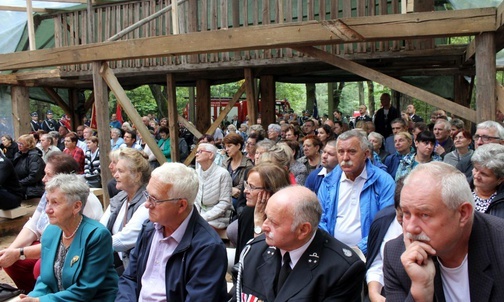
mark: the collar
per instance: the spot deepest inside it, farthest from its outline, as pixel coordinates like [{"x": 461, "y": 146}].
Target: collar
[
  {"x": 363, "y": 175},
  {"x": 322, "y": 172},
  {"x": 296, "y": 254}
]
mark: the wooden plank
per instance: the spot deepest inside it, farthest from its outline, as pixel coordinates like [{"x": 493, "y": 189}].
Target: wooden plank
[
  {"x": 58, "y": 100},
  {"x": 112, "y": 82},
  {"x": 31, "y": 27},
  {"x": 193, "y": 25},
  {"x": 335, "y": 15},
  {"x": 204, "y": 26},
  {"x": 485, "y": 75},
  {"x": 171, "y": 89},
  {"x": 203, "y": 114},
  {"x": 391, "y": 82},
  {"x": 250, "y": 93},
  {"x": 288, "y": 19},
  {"x": 235, "y": 11},
  {"x": 461, "y": 22},
  {"x": 246, "y": 24},
  {"x": 22, "y": 9},
  {"x": 101, "y": 97},
  {"x": 266, "y": 21},
  {"x": 224, "y": 24},
  {"x": 89, "y": 102},
  {"x": 347, "y": 13},
  {"x": 214, "y": 57},
  {"x": 189, "y": 126}
]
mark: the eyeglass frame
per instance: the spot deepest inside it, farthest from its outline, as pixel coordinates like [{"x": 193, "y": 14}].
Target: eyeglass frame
[
  {"x": 485, "y": 138},
  {"x": 155, "y": 202},
  {"x": 247, "y": 186},
  {"x": 201, "y": 151}
]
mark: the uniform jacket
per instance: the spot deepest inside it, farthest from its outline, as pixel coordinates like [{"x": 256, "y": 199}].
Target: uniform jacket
[
  {"x": 327, "y": 271},
  {"x": 377, "y": 193},
  {"x": 50, "y": 125},
  {"x": 29, "y": 168},
  {"x": 485, "y": 264},
  {"x": 88, "y": 273},
  {"x": 195, "y": 272}
]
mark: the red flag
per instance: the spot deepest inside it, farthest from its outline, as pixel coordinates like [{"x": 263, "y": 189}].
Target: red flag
[
  {"x": 93, "y": 124},
  {"x": 119, "y": 113}
]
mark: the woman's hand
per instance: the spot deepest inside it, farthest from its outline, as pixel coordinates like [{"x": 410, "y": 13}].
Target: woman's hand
[
  {"x": 235, "y": 192},
  {"x": 25, "y": 298},
  {"x": 262, "y": 201},
  {"x": 8, "y": 257}
]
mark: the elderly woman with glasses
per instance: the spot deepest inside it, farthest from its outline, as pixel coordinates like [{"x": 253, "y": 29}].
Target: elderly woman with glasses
[
  {"x": 125, "y": 214},
  {"x": 77, "y": 255},
  {"x": 488, "y": 179},
  {"x": 213, "y": 201},
  {"x": 29, "y": 167}
]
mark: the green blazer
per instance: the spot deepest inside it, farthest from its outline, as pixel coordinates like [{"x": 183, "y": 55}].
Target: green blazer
[{"x": 88, "y": 273}]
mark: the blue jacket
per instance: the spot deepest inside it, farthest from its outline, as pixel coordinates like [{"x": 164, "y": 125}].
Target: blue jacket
[
  {"x": 377, "y": 193},
  {"x": 314, "y": 180},
  {"x": 88, "y": 273},
  {"x": 195, "y": 272}
]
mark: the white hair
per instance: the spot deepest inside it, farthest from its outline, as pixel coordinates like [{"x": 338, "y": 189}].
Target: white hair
[{"x": 184, "y": 180}]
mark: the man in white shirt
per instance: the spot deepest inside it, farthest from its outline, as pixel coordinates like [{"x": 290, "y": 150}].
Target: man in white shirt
[{"x": 448, "y": 252}]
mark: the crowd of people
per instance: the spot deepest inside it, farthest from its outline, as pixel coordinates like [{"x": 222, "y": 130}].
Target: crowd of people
[{"x": 316, "y": 209}]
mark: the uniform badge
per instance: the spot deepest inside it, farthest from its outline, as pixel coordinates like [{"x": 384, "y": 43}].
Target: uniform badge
[{"x": 347, "y": 252}]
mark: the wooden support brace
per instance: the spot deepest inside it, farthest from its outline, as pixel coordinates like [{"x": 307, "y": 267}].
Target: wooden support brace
[{"x": 58, "y": 100}]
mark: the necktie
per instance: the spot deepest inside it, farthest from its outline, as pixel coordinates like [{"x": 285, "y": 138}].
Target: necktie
[{"x": 284, "y": 271}]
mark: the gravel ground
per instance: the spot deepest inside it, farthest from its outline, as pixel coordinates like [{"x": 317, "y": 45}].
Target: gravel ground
[{"x": 4, "y": 242}]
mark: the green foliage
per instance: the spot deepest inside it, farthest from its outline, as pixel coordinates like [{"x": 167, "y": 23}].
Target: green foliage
[{"x": 294, "y": 93}]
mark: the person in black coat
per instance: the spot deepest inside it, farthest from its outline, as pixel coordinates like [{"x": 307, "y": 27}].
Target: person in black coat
[
  {"x": 10, "y": 189},
  {"x": 50, "y": 124},
  {"x": 385, "y": 115},
  {"x": 29, "y": 167},
  {"x": 9, "y": 147}
]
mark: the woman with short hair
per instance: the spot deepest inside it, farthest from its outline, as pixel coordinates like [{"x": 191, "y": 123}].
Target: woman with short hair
[
  {"x": 29, "y": 167},
  {"x": 402, "y": 145},
  {"x": 76, "y": 152},
  {"x": 92, "y": 170},
  {"x": 424, "y": 143},
  {"x": 164, "y": 142},
  {"x": 311, "y": 150},
  {"x": 377, "y": 140},
  {"x": 488, "y": 179},
  {"x": 115, "y": 139},
  {"x": 460, "y": 158}
]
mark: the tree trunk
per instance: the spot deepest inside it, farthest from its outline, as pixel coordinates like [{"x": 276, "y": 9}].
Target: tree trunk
[
  {"x": 310, "y": 97},
  {"x": 159, "y": 94},
  {"x": 371, "y": 100}
]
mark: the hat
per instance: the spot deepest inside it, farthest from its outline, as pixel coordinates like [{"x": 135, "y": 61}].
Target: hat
[
  {"x": 49, "y": 112},
  {"x": 34, "y": 113}
]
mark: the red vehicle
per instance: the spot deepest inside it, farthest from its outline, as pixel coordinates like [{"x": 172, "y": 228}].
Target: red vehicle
[{"x": 239, "y": 109}]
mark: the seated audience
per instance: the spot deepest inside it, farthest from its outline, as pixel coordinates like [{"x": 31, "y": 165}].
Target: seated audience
[
  {"x": 296, "y": 168},
  {"x": 77, "y": 255},
  {"x": 488, "y": 132},
  {"x": 424, "y": 143},
  {"x": 24, "y": 271},
  {"x": 448, "y": 252},
  {"x": 329, "y": 162},
  {"x": 29, "y": 167},
  {"x": 281, "y": 155},
  {"x": 76, "y": 152},
  {"x": 213, "y": 201},
  {"x": 164, "y": 142},
  {"x": 47, "y": 146},
  {"x": 402, "y": 144},
  {"x": 294, "y": 260},
  {"x": 325, "y": 134},
  {"x": 377, "y": 140},
  {"x": 488, "y": 179},
  {"x": 125, "y": 214},
  {"x": 111, "y": 186},
  {"x": 176, "y": 247},
  {"x": 311, "y": 150},
  {"x": 9, "y": 147}
]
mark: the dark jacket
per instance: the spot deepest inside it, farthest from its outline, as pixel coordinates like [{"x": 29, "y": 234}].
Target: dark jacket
[
  {"x": 8, "y": 178},
  {"x": 314, "y": 180},
  {"x": 10, "y": 152},
  {"x": 327, "y": 271},
  {"x": 496, "y": 208},
  {"x": 377, "y": 232},
  {"x": 382, "y": 123},
  {"x": 29, "y": 168},
  {"x": 195, "y": 271}
]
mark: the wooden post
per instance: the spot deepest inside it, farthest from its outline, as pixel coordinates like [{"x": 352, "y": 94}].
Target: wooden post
[
  {"x": 172, "y": 116},
  {"x": 20, "y": 110},
  {"x": 203, "y": 114},
  {"x": 175, "y": 19},
  {"x": 31, "y": 27},
  {"x": 268, "y": 100},
  {"x": 192, "y": 114},
  {"x": 250, "y": 94},
  {"x": 101, "y": 96},
  {"x": 485, "y": 77}
]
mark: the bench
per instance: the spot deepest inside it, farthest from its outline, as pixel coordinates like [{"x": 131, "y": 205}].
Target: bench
[
  {"x": 13, "y": 213},
  {"x": 98, "y": 192}
]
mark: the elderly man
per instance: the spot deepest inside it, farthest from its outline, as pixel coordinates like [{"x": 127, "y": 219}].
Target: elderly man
[
  {"x": 294, "y": 260},
  {"x": 488, "y": 132},
  {"x": 47, "y": 145},
  {"x": 448, "y": 252},
  {"x": 444, "y": 143},
  {"x": 385, "y": 115},
  {"x": 353, "y": 192},
  {"x": 176, "y": 248}
]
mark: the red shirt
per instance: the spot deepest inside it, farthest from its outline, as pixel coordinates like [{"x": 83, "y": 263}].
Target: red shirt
[{"x": 78, "y": 155}]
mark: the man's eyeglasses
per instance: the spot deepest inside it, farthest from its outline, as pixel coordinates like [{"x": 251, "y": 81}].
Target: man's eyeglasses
[
  {"x": 201, "y": 151},
  {"x": 153, "y": 201},
  {"x": 251, "y": 187},
  {"x": 484, "y": 138}
]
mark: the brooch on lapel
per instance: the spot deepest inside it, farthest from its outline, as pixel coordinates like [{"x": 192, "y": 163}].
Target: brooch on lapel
[{"x": 74, "y": 260}]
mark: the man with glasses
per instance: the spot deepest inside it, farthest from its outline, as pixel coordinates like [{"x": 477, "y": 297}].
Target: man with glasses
[
  {"x": 488, "y": 132},
  {"x": 176, "y": 247}
]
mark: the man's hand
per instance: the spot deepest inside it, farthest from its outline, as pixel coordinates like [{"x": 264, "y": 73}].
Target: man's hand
[
  {"x": 418, "y": 263},
  {"x": 439, "y": 150},
  {"x": 8, "y": 257}
]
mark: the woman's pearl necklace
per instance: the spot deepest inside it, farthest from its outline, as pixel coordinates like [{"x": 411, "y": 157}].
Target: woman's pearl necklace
[{"x": 73, "y": 234}]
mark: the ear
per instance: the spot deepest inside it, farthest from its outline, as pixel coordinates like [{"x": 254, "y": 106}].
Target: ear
[
  {"x": 183, "y": 206},
  {"x": 304, "y": 230},
  {"x": 466, "y": 211},
  {"x": 77, "y": 206}
]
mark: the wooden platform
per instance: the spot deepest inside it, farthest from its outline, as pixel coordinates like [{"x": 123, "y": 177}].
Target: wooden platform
[{"x": 10, "y": 227}]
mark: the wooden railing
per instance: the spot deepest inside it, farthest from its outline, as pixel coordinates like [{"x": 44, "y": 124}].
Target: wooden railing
[{"x": 73, "y": 28}]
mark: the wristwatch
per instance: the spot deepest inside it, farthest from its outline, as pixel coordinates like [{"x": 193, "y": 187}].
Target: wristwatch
[
  {"x": 21, "y": 254},
  {"x": 257, "y": 230}
]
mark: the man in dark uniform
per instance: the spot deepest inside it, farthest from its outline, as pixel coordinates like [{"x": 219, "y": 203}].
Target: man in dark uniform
[
  {"x": 34, "y": 123},
  {"x": 294, "y": 260},
  {"x": 50, "y": 124}
]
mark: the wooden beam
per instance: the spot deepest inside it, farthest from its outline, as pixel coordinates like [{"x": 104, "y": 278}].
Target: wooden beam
[
  {"x": 64, "y": 1},
  {"x": 189, "y": 126},
  {"x": 250, "y": 93},
  {"x": 372, "y": 28},
  {"x": 171, "y": 97},
  {"x": 485, "y": 77},
  {"x": 203, "y": 114},
  {"x": 112, "y": 82},
  {"x": 22, "y": 9},
  {"x": 391, "y": 82},
  {"x": 20, "y": 110},
  {"x": 89, "y": 102},
  {"x": 101, "y": 97},
  {"x": 268, "y": 100},
  {"x": 31, "y": 27},
  {"x": 58, "y": 100}
]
